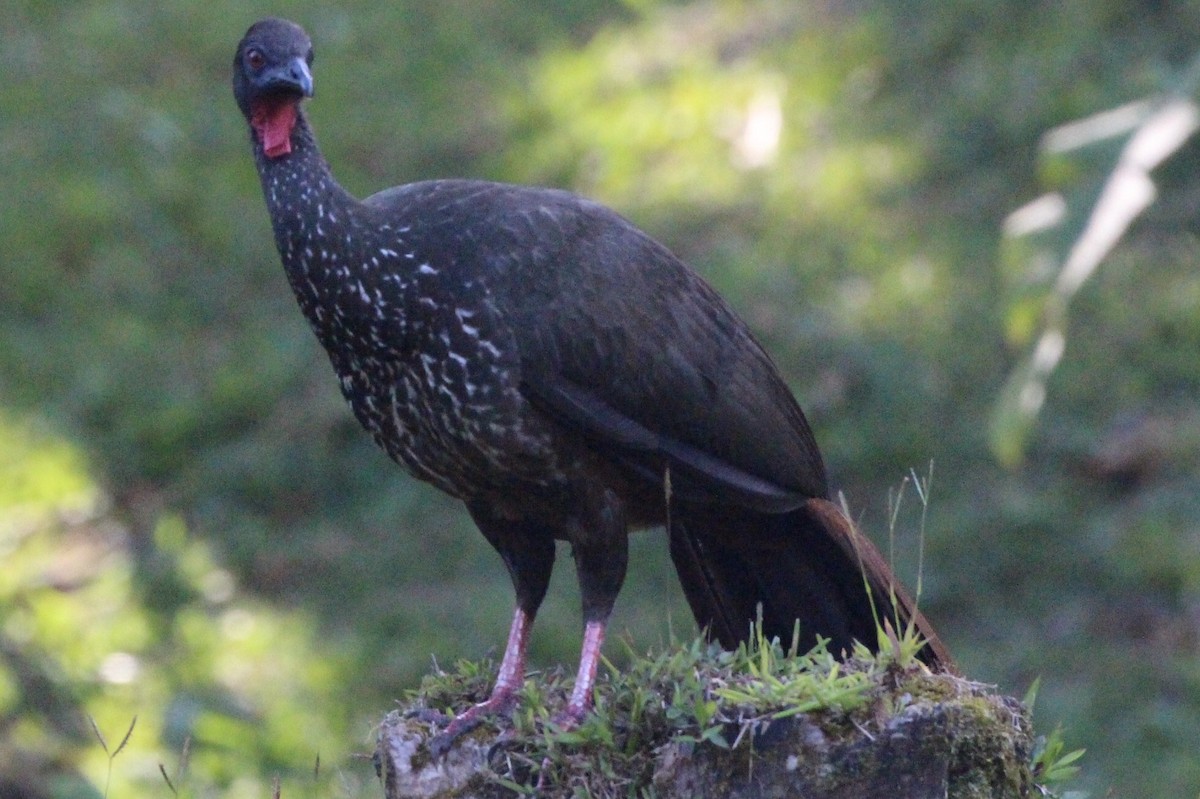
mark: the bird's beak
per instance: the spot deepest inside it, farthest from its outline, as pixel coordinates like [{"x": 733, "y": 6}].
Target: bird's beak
[{"x": 293, "y": 76}]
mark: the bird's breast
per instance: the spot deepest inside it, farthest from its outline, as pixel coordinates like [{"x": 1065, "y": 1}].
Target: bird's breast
[{"x": 438, "y": 388}]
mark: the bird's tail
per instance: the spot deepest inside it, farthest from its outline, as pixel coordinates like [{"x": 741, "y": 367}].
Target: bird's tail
[{"x": 810, "y": 565}]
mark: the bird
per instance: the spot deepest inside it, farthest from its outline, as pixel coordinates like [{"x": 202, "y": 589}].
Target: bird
[{"x": 537, "y": 356}]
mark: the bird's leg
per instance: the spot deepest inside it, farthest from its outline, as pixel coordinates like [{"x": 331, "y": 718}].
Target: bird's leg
[
  {"x": 528, "y": 551},
  {"x": 580, "y": 703},
  {"x": 504, "y": 694},
  {"x": 512, "y": 667},
  {"x": 585, "y": 680},
  {"x": 600, "y": 561}
]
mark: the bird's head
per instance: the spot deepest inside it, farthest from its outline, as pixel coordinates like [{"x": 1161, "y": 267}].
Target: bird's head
[{"x": 270, "y": 77}]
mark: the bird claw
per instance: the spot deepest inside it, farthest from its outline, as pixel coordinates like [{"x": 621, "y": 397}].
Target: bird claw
[
  {"x": 563, "y": 721},
  {"x": 500, "y": 701},
  {"x": 429, "y": 716},
  {"x": 569, "y": 718},
  {"x": 504, "y": 740},
  {"x": 444, "y": 741},
  {"x": 543, "y": 782}
]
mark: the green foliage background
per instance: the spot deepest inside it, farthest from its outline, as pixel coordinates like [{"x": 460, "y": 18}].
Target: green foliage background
[{"x": 194, "y": 531}]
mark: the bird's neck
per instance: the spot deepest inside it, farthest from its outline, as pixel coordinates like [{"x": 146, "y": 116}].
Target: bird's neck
[
  {"x": 322, "y": 232},
  {"x": 306, "y": 203}
]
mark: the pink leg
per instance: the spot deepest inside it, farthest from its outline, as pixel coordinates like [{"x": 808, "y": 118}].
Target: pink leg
[
  {"x": 512, "y": 668},
  {"x": 581, "y": 695},
  {"x": 589, "y": 661},
  {"x": 508, "y": 681}
]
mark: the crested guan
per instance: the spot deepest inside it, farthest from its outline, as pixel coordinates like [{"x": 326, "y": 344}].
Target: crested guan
[{"x": 563, "y": 374}]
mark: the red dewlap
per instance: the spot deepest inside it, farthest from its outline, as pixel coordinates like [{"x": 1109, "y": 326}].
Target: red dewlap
[{"x": 274, "y": 123}]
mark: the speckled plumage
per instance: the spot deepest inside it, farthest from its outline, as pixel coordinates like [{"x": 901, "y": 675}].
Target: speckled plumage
[
  {"x": 458, "y": 295},
  {"x": 536, "y": 355},
  {"x": 415, "y": 343}
]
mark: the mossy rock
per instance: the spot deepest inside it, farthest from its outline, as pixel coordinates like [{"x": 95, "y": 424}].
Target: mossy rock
[
  {"x": 697, "y": 723},
  {"x": 948, "y": 749}
]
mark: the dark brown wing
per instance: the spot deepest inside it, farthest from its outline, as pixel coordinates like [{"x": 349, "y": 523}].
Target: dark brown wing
[{"x": 621, "y": 341}]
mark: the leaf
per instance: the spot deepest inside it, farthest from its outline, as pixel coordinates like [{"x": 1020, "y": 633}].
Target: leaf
[
  {"x": 99, "y": 735},
  {"x": 163, "y": 771},
  {"x": 1030, "y": 698},
  {"x": 125, "y": 740}
]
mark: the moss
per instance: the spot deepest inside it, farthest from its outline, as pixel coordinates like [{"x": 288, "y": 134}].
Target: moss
[{"x": 696, "y": 721}]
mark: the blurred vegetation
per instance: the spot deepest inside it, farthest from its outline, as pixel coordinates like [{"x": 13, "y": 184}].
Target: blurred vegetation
[{"x": 194, "y": 531}]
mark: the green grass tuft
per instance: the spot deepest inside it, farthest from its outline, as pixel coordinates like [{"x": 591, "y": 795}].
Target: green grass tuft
[{"x": 692, "y": 693}]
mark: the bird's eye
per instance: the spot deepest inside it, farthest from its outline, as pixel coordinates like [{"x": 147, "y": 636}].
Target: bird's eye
[{"x": 255, "y": 59}]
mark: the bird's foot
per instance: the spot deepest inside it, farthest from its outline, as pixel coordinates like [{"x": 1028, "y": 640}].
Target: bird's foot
[
  {"x": 563, "y": 721},
  {"x": 502, "y": 700},
  {"x": 429, "y": 716},
  {"x": 570, "y": 717}
]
